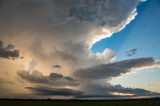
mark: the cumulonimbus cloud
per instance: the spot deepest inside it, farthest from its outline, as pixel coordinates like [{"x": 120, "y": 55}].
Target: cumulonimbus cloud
[
  {"x": 112, "y": 15},
  {"x": 61, "y": 32},
  {"x": 39, "y": 27}
]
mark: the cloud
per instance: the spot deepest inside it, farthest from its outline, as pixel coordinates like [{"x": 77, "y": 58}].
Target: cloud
[
  {"x": 46, "y": 91},
  {"x": 104, "y": 13},
  {"x": 51, "y": 92},
  {"x": 134, "y": 91},
  {"x": 57, "y": 66},
  {"x": 8, "y": 51},
  {"x": 115, "y": 69},
  {"x": 112, "y": 15},
  {"x": 107, "y": 56},
  {"x": 52, "y": 33},
  {"x": 131, "y": 52},
  {"x": 119, "y": 92},
  {"x": 95, "y": 80},
  {"x": 62, "y": 32},
  {"x": 53, "y": 79}
]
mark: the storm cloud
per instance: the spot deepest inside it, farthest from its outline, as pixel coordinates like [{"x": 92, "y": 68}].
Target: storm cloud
[
  {"x": 105, "y": 12},
  {"x": 62, "y": 32},
  {"x": 53, "y": 92}
]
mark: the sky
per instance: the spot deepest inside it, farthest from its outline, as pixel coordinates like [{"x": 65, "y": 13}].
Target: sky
[
  {"x": 132, "y": 38},
  {"x": 78, "y": 49}
]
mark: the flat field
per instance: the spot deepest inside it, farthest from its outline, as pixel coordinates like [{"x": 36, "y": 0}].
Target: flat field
[{"x": 4, "y": 102}]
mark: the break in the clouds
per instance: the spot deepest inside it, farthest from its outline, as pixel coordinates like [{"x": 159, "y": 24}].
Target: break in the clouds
[
  {"x": 62, "y": 32},
  {"x": 53, "y": 79},
  {"x": 8, "y": 51}
]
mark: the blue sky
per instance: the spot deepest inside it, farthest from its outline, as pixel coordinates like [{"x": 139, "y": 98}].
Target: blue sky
[{"x": 142, "y": 33}]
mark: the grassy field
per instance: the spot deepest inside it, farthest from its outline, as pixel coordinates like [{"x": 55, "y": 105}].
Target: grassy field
[{"x": 79, "y": 103}]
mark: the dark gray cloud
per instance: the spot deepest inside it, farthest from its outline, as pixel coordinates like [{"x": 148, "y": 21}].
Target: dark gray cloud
[
  {"x": 114, "y": 69},
  {"x": 56, "y": 66},
  {"x": 101, "y": 88},
  {"x": 53, "y": 79},
  {"x": 49, "y": 91},
  {"x": 45, "y": 91},
  {"x": 103, "y": 12},
  {"x": 8, "y": 51},
  {"x": 131, "y": 52},
  {"x": 134, "y": 91}
]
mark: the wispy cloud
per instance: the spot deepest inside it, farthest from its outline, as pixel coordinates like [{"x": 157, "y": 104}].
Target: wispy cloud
[{"x": 131, "y": 52}]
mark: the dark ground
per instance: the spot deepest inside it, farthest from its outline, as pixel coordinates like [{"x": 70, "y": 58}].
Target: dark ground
[{"x": 16, "y": 102}]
